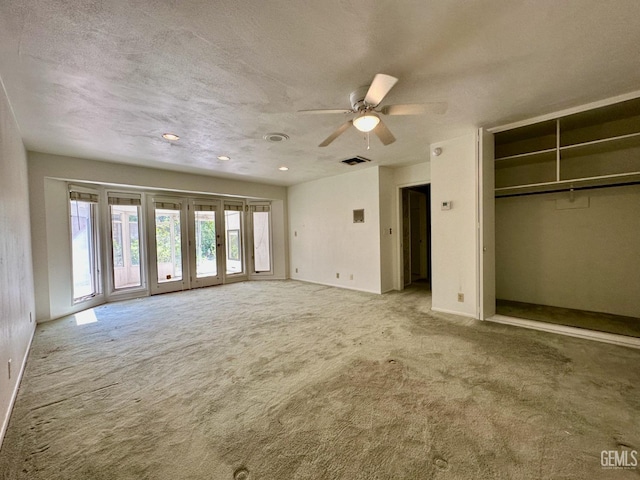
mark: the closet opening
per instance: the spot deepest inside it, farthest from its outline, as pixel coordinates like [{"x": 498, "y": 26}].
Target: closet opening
[{"x": 567, "y": 220}]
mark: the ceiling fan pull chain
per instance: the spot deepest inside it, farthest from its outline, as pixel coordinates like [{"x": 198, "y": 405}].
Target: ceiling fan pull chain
[{"x": 368, "y": 147}]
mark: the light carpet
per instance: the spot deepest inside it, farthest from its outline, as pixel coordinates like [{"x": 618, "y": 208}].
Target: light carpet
[{"x": 287, "y": 380}]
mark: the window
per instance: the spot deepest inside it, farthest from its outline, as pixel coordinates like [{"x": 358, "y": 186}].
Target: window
[
  {"x": 84, "y": 245},
  {"x": 261, "y": 230},
  {"x": 233, "y": 232},
  {"x": 125, "y": 240}
]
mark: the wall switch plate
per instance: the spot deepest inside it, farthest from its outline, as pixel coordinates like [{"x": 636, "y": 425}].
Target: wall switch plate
[
  {"x": 296, "y": 269},
  {"x": 461, "y": 297},
  {"x": 337, "y": 275}
]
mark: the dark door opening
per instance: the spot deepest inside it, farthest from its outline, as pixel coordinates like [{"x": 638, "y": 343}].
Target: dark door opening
[{"x": 416, "y": 235}]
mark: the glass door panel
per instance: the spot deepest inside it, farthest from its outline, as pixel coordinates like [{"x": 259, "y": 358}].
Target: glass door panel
[
  {"x": 233, "y": 235},
  {"x": 206, "y": 251},
  {"x": 205, "y": 243},
  {"x": 168, "y": 245}
]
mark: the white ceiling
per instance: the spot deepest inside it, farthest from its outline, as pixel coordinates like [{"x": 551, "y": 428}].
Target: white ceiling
[{"x": 104, "y": 79}]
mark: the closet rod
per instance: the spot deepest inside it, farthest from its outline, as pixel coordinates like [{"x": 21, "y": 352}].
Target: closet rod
[{"x": 570, "y": 188}]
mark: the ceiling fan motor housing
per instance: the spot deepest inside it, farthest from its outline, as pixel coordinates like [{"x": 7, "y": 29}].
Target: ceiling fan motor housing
[{"x": 357, "y": 98}]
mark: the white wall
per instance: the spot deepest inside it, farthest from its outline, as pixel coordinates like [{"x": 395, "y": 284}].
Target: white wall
[
  {"x": 324, "y": 241},
  {"x": 454, "y": 232},
  {"x": 417, "y": 174},
  {"x": 49, "y": 220},
  {"x": 583, "y": 254},
  {"x": 16, "y": 279},
  {"x": 388, "y": 232}
]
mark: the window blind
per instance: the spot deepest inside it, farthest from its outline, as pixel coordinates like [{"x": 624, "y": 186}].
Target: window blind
[
  {"x": 167, "y": 205},
  {"x": 203, "y": 207},
  {"x": 123, "y": 199},
  {"x": 83, "y": 196},
  {"x": 237, "y": 207},
  {"x": 260, "y": 208}
]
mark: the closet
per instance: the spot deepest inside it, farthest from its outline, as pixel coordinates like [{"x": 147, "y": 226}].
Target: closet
[{"x": 568, "y": 219}]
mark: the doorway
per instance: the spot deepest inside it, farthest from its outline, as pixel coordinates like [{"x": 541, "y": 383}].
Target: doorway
[
  {"x": 184, "y": 243},
  {"x": 416, "y": 235}
]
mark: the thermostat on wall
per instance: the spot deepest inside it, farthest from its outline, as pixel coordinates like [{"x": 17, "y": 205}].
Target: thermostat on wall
[{"x": 446, "y": 205}]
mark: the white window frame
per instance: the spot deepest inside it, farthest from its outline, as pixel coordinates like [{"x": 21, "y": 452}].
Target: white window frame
[
  {"x": 253, "y": 207},
  {"x": 142, "y": 226},
  {"x": 92, "y": 196}
]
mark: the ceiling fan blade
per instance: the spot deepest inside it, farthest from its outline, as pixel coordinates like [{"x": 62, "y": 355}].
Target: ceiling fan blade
[
  {"x": 379, "y": 88},
  {"x": 341, "y": 129},
  {"x": 415, "y": 108},
  {"x": 384, "y": 134},
  {"x": 321, "y": 111}
]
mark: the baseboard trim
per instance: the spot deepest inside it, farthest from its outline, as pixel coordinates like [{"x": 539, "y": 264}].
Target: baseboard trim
[
  {"x": 14, "y": 394},
  {"x": 461, "y": 314},
  {"x": 611, "y": 338},
  {"x": 335, "y": 286}
]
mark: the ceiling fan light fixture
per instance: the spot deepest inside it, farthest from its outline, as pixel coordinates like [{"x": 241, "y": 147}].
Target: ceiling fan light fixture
[{"x": 366, "y": 122}]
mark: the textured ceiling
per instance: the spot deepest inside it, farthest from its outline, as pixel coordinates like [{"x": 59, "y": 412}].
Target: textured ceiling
[{"x": 104, "y": 79}]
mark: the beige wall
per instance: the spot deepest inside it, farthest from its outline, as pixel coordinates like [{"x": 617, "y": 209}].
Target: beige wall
[
  {"x": 454, "y": 247},
  {"x": 324, "y": 241},
  {"x": 49, "y": 222},
  {"x": 16, "y": 280},
  {"x": 583, "y": 254},
  {"x": 388, "y": 232}
]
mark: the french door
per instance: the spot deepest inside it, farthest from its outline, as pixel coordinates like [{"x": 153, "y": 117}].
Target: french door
[{"x": 185, "y": 243}]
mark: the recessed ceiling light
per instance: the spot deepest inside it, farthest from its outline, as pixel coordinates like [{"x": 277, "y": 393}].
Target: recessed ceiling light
[
  {"x": 170, "y": 136},
  {"x": 224, "y": 158},
  {"x": 283, "y": 169},
  {"x": 276, "y": 137}
]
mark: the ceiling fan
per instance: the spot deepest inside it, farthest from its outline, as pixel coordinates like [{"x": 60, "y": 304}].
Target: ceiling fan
[{"x": 365, "y": 102}]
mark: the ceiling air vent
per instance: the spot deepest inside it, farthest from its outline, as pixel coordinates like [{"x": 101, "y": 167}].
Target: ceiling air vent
[
  {"x": 276, "y": 137},
  {"x": 355, "y": 160}
]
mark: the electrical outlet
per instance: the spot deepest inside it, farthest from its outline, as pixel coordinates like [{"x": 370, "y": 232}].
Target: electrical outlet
[
  {"x": 9, "y": 368},
  {"x": 337, "y": 275},
  {"x": 30, "y": 317},
  {"x": 296, "y": 269},
  {"x": 351, "y": 277},
  {"x": 461, "y": 297}
]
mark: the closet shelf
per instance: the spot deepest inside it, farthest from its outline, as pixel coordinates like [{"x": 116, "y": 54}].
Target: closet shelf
[
  {"x": 595, "y": 147},
  {"x": 529, "y": 154},
  {"x": 621, "y": 142}
]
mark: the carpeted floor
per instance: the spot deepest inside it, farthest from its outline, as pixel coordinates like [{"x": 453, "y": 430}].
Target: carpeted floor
[
  {"x": 286, "y": 380},
  {"x": 601, "y": 322}
]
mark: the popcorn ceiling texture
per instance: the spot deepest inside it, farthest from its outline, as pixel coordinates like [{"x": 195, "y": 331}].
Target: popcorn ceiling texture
[
  {"x": 103, "y": 80},
  {"x": 288, "y": 380}
]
